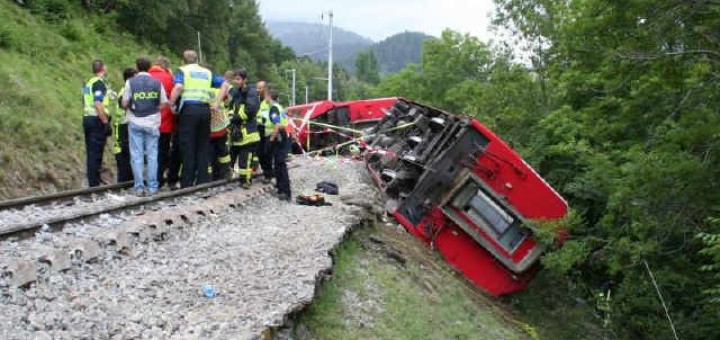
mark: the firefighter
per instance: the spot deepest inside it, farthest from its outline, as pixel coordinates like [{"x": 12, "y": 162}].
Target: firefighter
[
  {"x": 279, "y": 144},
  {"x": 219, "y": 121},
  {"x": 244, "y": 136},
  {"x": 265, "y": 128},
  {"x": 96, "y": 101},
  {"x": 194, "y": 83},
  {"x": 121, "y": 146}
]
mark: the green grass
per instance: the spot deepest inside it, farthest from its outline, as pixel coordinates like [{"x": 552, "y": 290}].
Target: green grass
[
  {"x": 373, "y": 297},
  {"x": 43, "y": 66}
]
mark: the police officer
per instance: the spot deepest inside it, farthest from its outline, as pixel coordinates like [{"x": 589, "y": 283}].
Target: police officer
[
  {"x": 144, "y": 97},
  {"x": 244, "y": 136},
  {"x": 265, "y": 128},
  {"x": 279, "y": 144},
  {"x": 96, "y": 100},
  {"x": 194, "y": 84},
  {"x": 121, "y": 147}
]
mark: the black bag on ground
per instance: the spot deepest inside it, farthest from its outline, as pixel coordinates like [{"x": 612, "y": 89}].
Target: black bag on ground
[{"x": 326, "y": 187}]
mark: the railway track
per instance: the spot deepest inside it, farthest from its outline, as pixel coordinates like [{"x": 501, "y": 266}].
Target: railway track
[
  {"x": 19, "y": 203},
  {"x": 89, "y": 232},
  {"x": 42, "y": 215},
  {"x": 21, "y": 216},
  {"x": 137, "y": 271}
]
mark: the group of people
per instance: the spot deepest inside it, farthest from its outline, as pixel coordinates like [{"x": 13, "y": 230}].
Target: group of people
[{"x": 185, "y": 128}]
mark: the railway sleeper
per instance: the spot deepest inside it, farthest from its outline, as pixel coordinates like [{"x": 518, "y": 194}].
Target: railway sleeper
[
  {"x": 203, "y": 210},
  {"x": 58, "y": 260},
  {"x": 85, "y": 250},
  {"x": 158, "y": 231},
  {"x": 137, "y": 232},
  {"x": 117, "y": 240},
  {"x": 20, "y": 272}
]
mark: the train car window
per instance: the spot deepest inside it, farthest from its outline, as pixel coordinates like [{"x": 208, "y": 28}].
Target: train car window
[
  {"x": 342, "y": 114},
  {"x": 486, "y": 213}
]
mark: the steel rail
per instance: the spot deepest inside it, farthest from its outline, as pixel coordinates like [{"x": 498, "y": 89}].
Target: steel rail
[
  {"x": 57, "y": 221},
  {"x": 17, "y": 203}
]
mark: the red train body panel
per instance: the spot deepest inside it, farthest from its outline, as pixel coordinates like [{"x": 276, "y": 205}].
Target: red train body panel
[
  {"x": 355, "y": 115},
  {"x": 461, "y": 189}
]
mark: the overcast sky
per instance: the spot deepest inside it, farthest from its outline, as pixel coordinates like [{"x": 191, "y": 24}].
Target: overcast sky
[{"x": 378, "y": 19}]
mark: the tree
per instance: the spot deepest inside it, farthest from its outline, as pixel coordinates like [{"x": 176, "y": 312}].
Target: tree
[
  {"x": 631, "y": 141},
  {"x": 366, "y": 67}
]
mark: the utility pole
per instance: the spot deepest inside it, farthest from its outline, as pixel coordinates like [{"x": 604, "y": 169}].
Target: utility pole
[
  {"x": 330, "y": 58},
  {"x": 292, "y": 98},
  {"x": 200, "y": 56},
  {"x": 306, "y": 94},
  {"x": 293, "y": 87}
]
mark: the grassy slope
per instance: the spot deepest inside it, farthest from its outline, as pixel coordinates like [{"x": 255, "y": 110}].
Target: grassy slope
[
  {"x": 373, "y": 295},
  {"x": 43, "y": 66}
]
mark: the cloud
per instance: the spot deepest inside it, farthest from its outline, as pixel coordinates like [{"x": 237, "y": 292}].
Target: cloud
[{"x": 378, "y": 19}]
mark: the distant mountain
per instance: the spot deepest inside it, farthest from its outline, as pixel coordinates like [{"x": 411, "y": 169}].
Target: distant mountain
[
  {"x": 393, "y": 53},
  {"x": 312, "y": 39}
]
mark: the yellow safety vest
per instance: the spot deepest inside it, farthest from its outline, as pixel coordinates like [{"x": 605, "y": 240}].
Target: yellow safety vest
[
  {"x": 197, "y": 84},
  {"x": 89, "y": 97},
  {"x": 283, "y": 114},
  {"x": 263, "y": 117}
]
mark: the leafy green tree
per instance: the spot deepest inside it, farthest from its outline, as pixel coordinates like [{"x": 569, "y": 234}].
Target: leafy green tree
[
  {"x": 616, "y": 104},
  {"x": 632, "y": 143},
  {"x": 366, "y": 67}
]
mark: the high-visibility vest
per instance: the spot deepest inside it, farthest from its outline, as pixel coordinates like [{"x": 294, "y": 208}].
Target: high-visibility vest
[
  {"x": 283, "y": 114},
  {"x": 263, "y": 117},
  {"x": 197, "y": 84},
  {"x": 89, "y": 97}
]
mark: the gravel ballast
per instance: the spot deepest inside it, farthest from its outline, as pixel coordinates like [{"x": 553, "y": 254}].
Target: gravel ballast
[{"x": 263, "y": 260}]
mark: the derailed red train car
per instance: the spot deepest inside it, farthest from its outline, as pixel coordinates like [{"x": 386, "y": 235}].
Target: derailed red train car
[
  {"x": 318, "y": 124},
  {"x": 458, "y": 187}
]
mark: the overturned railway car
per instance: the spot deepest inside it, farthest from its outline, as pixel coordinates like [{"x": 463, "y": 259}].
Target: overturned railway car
[
  {"x": 457, "y": 186},
  {"x": 325, "y": 123}
]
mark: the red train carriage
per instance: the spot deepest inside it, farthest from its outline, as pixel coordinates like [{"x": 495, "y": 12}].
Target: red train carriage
[
  {"x": 355, "y": 115},
  {"x": 457, "y": 186}
]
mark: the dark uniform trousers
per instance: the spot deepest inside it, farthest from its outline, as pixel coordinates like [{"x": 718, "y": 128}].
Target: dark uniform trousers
[
  {"x": 194, "y": 138},
  {"x": 244, "y": 156},
  {"x": 220, "y": 158},
  {"x": 279, "y": 152},
  {"x": 169, "y": 158},
  {"x": 265, "y": 155},
  {"x": 124, "y": 169},
  {"x": 95, "y": 139}
]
